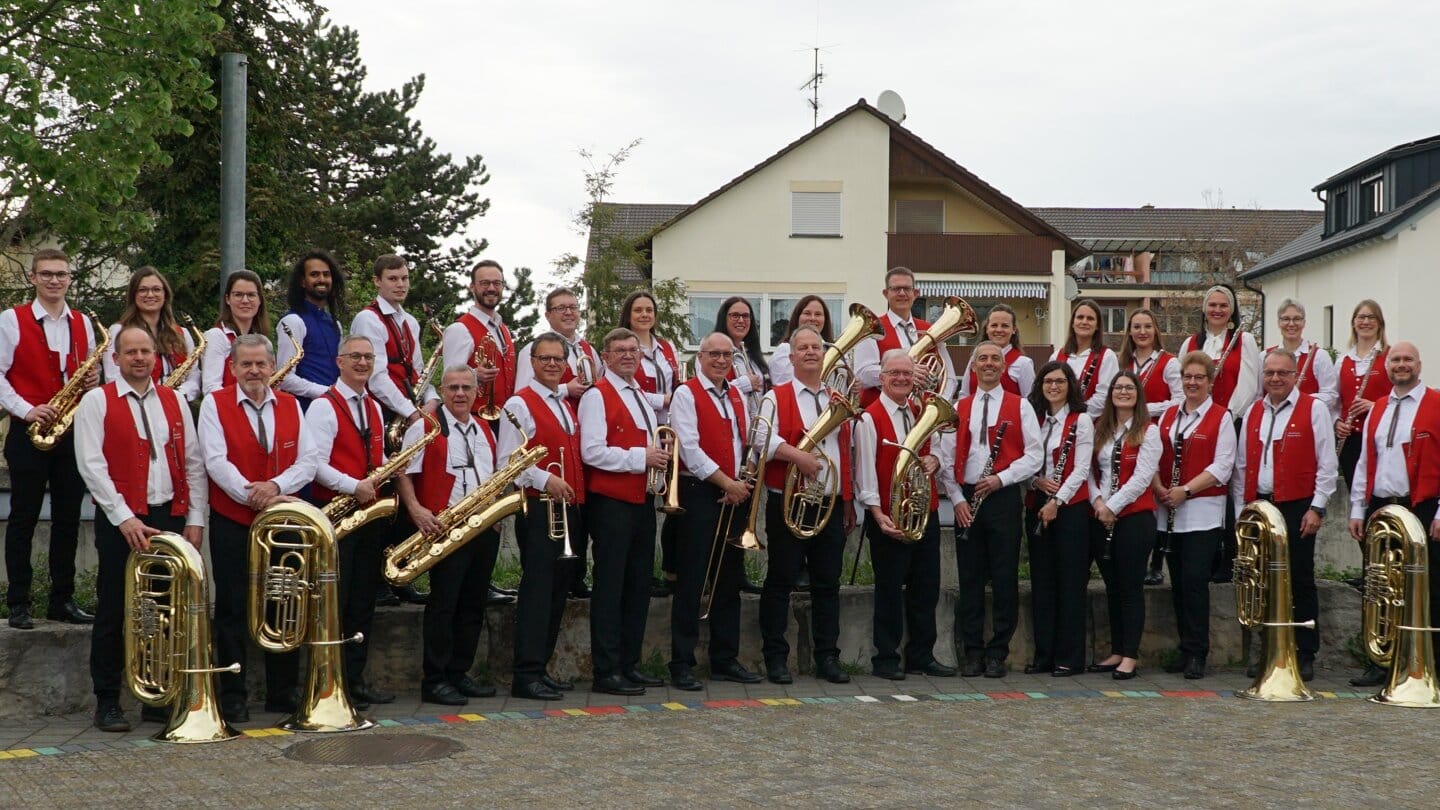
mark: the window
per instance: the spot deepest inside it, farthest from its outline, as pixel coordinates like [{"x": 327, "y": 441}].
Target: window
[
  {"x": 919, "y": 216},
  {"x": 1114, "y": 320},
  {"x": 772, "y": 314},
  {"x": 1340, "y": 211},
  {"x": 782, "y": 304},
  {"x": 815, "y": 213},
  {"x": 1329, "y": 327},
  {"x": 1372, "y": 197}
]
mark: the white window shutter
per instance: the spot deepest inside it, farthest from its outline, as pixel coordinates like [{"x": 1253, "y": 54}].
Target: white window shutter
[{"x": 815, "y": 213}]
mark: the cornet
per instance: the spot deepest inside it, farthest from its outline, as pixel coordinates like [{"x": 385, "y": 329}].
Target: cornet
[{"x": 557, "y": 515}]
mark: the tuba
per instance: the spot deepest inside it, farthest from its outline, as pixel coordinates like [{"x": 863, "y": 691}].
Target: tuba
[
  {"x": 346, "y": 514},
  {"x": 290, "y": 365},
  {"x": 67, "y": 399},
  {"x": 835, "y": 369},
  {"x": 295, "y": 601},
  {"x": 957, "y": 319},
  {"x": 1395, "y": 613},
  {"x": 911, "y": 488},
  {"x": 395, "y": 430},
  {"x": 807, "y": 505},
  {"x": 757, "y": 443},
  {"x": 1262, "y": 599},
  {"x": 167, "y": 640},
  {"x": 178, "y": 374}
]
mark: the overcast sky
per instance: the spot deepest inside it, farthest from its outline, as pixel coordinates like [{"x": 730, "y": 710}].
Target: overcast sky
[{"x": 1057, "y": 103}]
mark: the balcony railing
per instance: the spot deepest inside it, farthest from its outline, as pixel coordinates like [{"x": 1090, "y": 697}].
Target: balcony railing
[{"x": 972, "y": 253}]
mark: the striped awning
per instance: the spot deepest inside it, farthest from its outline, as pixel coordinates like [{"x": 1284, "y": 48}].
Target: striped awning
[{"x": 986, "y": 289}]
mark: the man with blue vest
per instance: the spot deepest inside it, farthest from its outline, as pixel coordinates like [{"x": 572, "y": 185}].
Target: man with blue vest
[{"x": 317, "y": 290}]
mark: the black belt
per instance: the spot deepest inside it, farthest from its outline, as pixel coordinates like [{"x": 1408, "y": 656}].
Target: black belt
[{"x": 1378, "y": 501}]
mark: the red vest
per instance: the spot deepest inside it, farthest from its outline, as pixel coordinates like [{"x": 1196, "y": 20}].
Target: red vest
[
  {"x": 1292, "y": 453},
  {"x": 435, "y": 482},
  {"x": 1376, "y": 385},
  {"x": 35, "y": 371},
  {"x": 1089, "y": 376},
  {"x": 157, "y": 374},
  {"x": 227, "y": 376},
  {"x": 243, "y": 449},
  {"x": 885, "y": 453},
  {"x": 791, "y": 428},
  {"x": 399, "y": 351},
  {"x": 1067, "y": 433},
  {"x": 716, "y": 432},
  {"x": 1156, "y": 388},
  {"x": 348, "y": 453},
  {"x": 127, "y": 454},
  {"x": 1129, "y": 455},
  {"x": 1422, "y": 451},
  {"x": 1012, "y": 445},
  {"x": 620, "y": 431},
  {"x": 551, "y": 435},
  {"x": 1228, "y": 372},
  {"x": 1006, "y": 381},
  {"x": 1199, "y": 449},
  {"x": 889, "y": 340},
  {"x": 649, "y": 384},
  {"x": 505, "y": 380},
  {"x": 1306, "y": 381}
]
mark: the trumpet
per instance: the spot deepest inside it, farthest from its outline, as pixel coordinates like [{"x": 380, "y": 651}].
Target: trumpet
[
  {"x": 911, "y": 488},
  {"x": 178, "y": 374},
  {"x": 957, "y": 319},
  {"x": 284, "y": 371},
  {"x": 395, "y": 430},
  {"x": 45, "y": 436},
  {"x": 757, "y": 443},
  {"x": 666, "y": 482},
  {"x": 487, "y": 355},
  {"x": 808, "y": 504},
  {"x": 1262, "y": 599},
  {"x": 1395, "y": 614},
  {"x": 557, "y": 515}
]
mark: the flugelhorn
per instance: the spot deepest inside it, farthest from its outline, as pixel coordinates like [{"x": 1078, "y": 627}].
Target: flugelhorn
[
  {"x": 1395, "y": 613},
  {"x": 911, "y": 488},
  {"x": 557, "y": 515},
  {"x": 1263, "y": 599},
  {"x": 666, "y": 482},
  {"x": 290, "y": 365},
  {"x": 167, "y": 640},
  {"x": 345, "y": 512},
  {"x": 757, "y": 444},
  {"x": 808, "y": 504},
  {"x": 177, "y": 375},
  {"x": 487, "y": 355},
  {"x": 67, "y": 399},
  {"x": 957, "y": 319}
]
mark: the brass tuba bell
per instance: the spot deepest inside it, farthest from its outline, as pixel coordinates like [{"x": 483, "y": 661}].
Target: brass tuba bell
[
  {"x": 1395, "y": 613},
  {"x": 957, "y": 319},
  {"x": 807, "y": 504},
  {"x": 910, "y": 487},
  {"x": 1262, "y": 599}
]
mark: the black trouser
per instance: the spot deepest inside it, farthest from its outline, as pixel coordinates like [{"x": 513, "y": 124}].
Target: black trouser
[
  {"x": 989, "y": 551},
  {"x": 1304, "y": 595},
  {"x": 669, "y": 528},
  {"x": 822, "y": 556},
  {"x": 1191, "y": 556},
  {"x": 695, "y": 548},
  {"x": 1124, "y": 575},
  {"x": 1425, "y": 513},
  {"x": 107, "y": 638},
  {"x": 1059, "y": 580},
  {"x": 1350, "y": 455},
  {"x": 230, "y": 559},
  {"x": 455, "y": 611},
  {"x": 544, "y": 583},
  {"x": 361, "y": 555},
  {"x": 907, "y": 586},
  {"x": 624, "y": 537},
  {"x": 31, "y": 471}
]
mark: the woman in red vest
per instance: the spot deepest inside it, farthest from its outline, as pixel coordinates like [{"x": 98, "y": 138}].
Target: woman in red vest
[
  {"x": 1019, "y": 376},
  {"x": 1197, "y": 454},
  {"x": 242, "y": 312},
  {"x": 1316, "y": 373},
  {"x": 1058, "y": 517},
  {"x": 1235, "y": 352},
  {"x": 736, "y": 318},
  {"x": 1157, "y": 369},
  {"x": 1088, "y": 356},
  {"x": 148, "y": 300},
  {"x": 1127, "y": 454},
  {"x": 1362, "y": 380},
  {"x": 808, "y": 311}
]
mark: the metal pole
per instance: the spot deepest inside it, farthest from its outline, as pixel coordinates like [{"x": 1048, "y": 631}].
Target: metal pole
[{"x": 232, "y": 164}]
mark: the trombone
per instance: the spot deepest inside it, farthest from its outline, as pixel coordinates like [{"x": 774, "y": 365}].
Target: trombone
[
  {"x": 557, "y": 515},
  {"x": 757, "y": 444},
  {"x": 487, "y": 355},
  {"x": 666, "y": 482}
]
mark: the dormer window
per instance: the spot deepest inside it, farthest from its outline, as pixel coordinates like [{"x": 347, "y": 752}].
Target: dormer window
[
  {"x": 1339, "y": 211},
  {"x": 1372, "y": 197}
]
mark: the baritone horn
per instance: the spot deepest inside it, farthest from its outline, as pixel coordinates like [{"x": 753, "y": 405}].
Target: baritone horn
[
  {"x": 835, "y": 369},
  {"x": 167, "y": 640},
  {"x": 911, "y": 488},
  {"x": 557, "y": 515},
  {"x": 1395, "y": 613},
  {"x": 1263, "y": 600},
  {"x": 757, "y": 444},
  {"x": 808, "y": 503},
  {"x": 957, "y": 319},
  {"x": 295, "y": 601}
]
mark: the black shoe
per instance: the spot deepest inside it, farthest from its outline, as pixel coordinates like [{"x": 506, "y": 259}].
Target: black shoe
[
  {"x": 779, "y": 673},
  {"x": 408, "y": 593},
  {"x": 1372, "y": 676},
  {"x": 746, "y": 586},
  {"x": 444, "y": 694},
  {"x": 286, "y": 703},
  {"x": 1195, "y": 668},
  {"x": 385, "y": 598},
  {"x": 496, "y": 597},
  {"x": 1035, "y": 669},
  {"x": 534, "y": 690},
  {"x": 662, "y": 588},
  {"x": 616, "y": 685},
  {"x": 734, "y": 672},
  {"x": 580, "y": 590},
  {"x": 1178, "y": 665},
  {"x": 934, "y": 669},
  {"x": 358, "y": 701},
  {"x": 1223, "y": 575},
  {"x": 370, "y": 694},
  {"x": 1101, "y": 667},
  {"x": 830, "y": 670},
  {"x": 802, "y": 581},
  {"x": 557, "y": 684},
  {"x": 108, "y": 717},
  {"x": 1064, "y": 672},
  {"x": 995, "y": 668},
  {"x": 973, "y": 668},
  {"x": 1253, "y": 670},
  {"x": 20, "y": 618},
  {"x": 1154, "y": 577},
  {"x": 888, "y": 673},
  {"x": 684, "y": 679},
  {"x": 506, "y": 591},
  {"x": 235, "y": 712},
  {"x": 154, "y": 714},
  {"x": 1307, "y": 667},
  {"x": 70, "y": 613},
  {"x": 639, "y": 678},
  {"x": 469, "y": 687},
  {"x": 1125, "y": 676}
]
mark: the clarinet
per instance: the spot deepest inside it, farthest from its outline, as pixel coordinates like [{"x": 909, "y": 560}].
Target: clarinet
[
  {"x": 987, "y": 471},
  {"x": 1058, "y": 474},
  {"x": 1364, "y": 383},
  {"x": 1178, "y": 449},
  {"x": 1116, "y": 455}
]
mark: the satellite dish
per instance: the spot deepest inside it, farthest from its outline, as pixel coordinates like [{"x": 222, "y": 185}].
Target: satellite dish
[
  {"x": 1072, "y": 290},
  {"x": 892, "y": 105}
]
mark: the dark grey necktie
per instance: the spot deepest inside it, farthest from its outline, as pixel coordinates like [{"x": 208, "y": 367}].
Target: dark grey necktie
[
  {"x": 145, "y": 422},
  {"x": 260, "y": 434},
  {"x": 1394, "y": 421},
  {"x": 560, "y": 410},
  {"x": 904, "y": 411},
  {"x": 1275, "y": 420},
  {"x": 644, "y": 410},
  {"x": 985, "y": 420}
]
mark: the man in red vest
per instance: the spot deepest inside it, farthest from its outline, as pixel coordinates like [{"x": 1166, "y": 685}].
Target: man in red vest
[
  {"x": 135, "y": 443},
  {"x": 708, "y": 415},
  {"x": 42, "y": 344},
  {"x": 349, "y": 435},
  {"x": 618, "y": 445},
  {"x": 796, "y": 406},
  {"x": 549, "y": 420},
  {"x": 1400, "y": 463},
  {"x": 1287, "y": 456},
  {"x": 907, "y": 574},
  {"x": 562, "y": 312},
  {"x": 902, "y": 329},
  {"x": 257, "y": 452},
  {"x": 487, "y": 285},
  {"x": 982, "y": 463}
]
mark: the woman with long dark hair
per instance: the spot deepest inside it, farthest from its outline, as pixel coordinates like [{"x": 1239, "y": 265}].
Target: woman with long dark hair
[
  {"x": 242, "y": 312},
  {"x": 736, "y": 318},
  {"x": 1235, "y": 352},
  {"x": 1362, "y": 381},
  {"x": 1088, "y": 356},
  {"x": 659, "y": 369},
  {"x": 1001, "y": 329},
  {"x": 808, "y": 311},
  {"x": 148, "y": 305}
]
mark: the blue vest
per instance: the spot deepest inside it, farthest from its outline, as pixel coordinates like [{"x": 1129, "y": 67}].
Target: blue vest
[{"x": 321, "y": 344}]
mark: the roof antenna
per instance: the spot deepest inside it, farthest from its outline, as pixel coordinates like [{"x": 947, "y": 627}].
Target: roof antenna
[{"x": 817, "y": 73}]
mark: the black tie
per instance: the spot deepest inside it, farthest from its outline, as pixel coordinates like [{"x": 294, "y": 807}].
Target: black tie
[
  {"x": 260, "y": 434},
  {"x": 720, "y": 398},
  {"x": 145, "y": 422},
  {"x": 904, "y": 411},
  {"x": 1050, "y": 423},
  {"x": 644, "y": 410},
  {"x": 985, "y": 420},
  {"x": 819, "y": 409},
  {"x": 1275, "y": 419},
  {"x": 467, "y": 433},
  {"x": 1394, "y": 420},
  {"x": 560, "y": 409},
  {"x": 360, "y": 423}
]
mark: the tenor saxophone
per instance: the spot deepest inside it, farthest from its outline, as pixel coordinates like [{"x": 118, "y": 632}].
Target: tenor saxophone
[
  {"x": 177, "y": 375},
  {"x": 284, "y": 371},
  {"x": 67, "y": 399},
  {"x": 346, "y": 513}
]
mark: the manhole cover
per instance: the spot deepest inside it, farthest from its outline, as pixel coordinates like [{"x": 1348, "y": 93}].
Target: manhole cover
[{"x": 373, "y": 749}]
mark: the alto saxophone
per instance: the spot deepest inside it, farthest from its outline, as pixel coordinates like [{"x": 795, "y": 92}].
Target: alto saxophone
[
  {"x": 284, "y": 371},
  {"x": 67, "y": 399},
  {"x": 178, "y": 374},
  {"x": 346, "y": 513}
]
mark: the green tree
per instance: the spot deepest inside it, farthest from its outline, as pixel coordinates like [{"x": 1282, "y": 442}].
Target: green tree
[
  {"x": 94, "y": 93},
  {"x": 521, "y": 307}
]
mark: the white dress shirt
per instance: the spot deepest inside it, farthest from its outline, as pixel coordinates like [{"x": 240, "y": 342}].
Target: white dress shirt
[
  {"x": 285, "y": 349},
  {"x": 805, "y": 401},
  {"x": 1021, "y": 469},
  {"x": 781, "y": 369},
  {"x": 524, "y": 372},
  {"x": 1022, "y": 371},
  {"x": 469, "y": 455},
  {"x": 1171, "y": 373},
  {"x": 1053, "y": 436},
  {"x": 867, "y": 354},
  {"x": 1200, "y": 513},
  {"x": 1247, "y": 384},
  {"x": 594, "y": 428},
  {"x": 216, "y": 450},
  {"x": 159, "y": 488},
  {"x": 867, "y": 449},
  {"x": 1109, "y": 367},
  {"x": 189, "y": 388},
  {"x": 215, "y": 358},
  {"x": 656, "y": 367},
  {"x": 386, "y": 392},
  {"x": 1146, "y": 463},
  {"x": 1392, "y": 480},
  {"x": 510, "y": 439},
  {"x": 686, "y": 422},
  {"x": 321, "y": 423},
  {"x": 57, "y": 336},
  {"x": 1327, "y": 464}
]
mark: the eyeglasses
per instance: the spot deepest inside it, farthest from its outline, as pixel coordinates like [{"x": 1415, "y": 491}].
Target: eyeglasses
[
  {"x": 623, "y": 352},
  {"x": 1194, "y": 377},
  {"x": 359, "y": 357},
  {"x": 499, "y": 285},
  {"x": 53, "y": 275},
  {"x": 564, "y": 308},
  {"x": 150, "y": 291},
  {"x": 719, "y": 354},
  {"x": 738, "y": 316},
  {"x": 1060, "y": 381},
  {"x": 548, "y": 359},
  {"x": 1293, "y": 319},
  {"x": 245, "y": 296},
  {"x": 1123, "y": 389},
  {"x": 456, "y": 388},
  {"x": 903, "y": 289},
  {"x": 1278, "y": 372},
  {"x": 904, "y": 375},
  {"x": 1365, "y": 316}
]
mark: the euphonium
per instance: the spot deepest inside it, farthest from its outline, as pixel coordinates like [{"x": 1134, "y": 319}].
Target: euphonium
[
  {"x": 757, "y": 444},
  {"x": 473, "y": 514},
  {"x": 957, "y": 319},
  {"x": 346, "y": 514},
  {"x": 167, "y": 640},
  {"x": 1395, "y": 613},
  {"x": 808, "y": 504},
  {"x": 395, "y": 431},
  {"x": 557, "y": 516},
  {"x": 1262, "y": 599},
  {"x": 910, "y": 486},
  {"x": 295, "y": 601},
  {"x": 487, "y": 355},
  {"x": 666, "y": 482},
  {"x": 284, "y": 371},
  {"x": 178, "y": 374},
  {"x": 835, "y": 369},
  {"x": 67, "y": 399}
]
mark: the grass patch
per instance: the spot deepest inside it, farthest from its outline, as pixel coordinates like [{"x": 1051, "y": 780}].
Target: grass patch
[
  {"x": 41, "y": 585},
  {"x": 1330, "y": 572}
]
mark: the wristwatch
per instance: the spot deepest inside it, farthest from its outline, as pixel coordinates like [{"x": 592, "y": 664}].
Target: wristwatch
[
  {"x": 1186, "y": 488},
  {"x": 1319, "y": 510}
]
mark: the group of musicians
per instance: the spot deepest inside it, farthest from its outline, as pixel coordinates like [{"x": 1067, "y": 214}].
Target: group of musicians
[{"x": 1086, "y": 457}]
